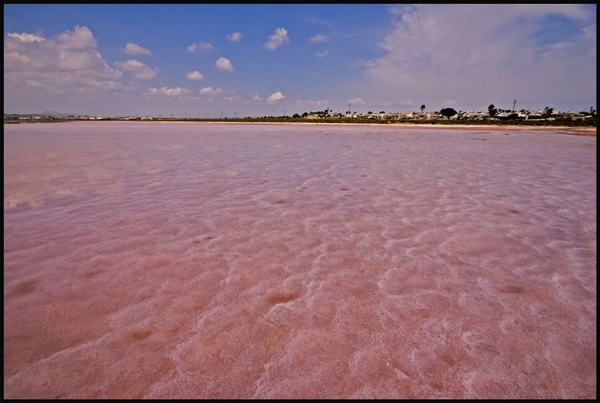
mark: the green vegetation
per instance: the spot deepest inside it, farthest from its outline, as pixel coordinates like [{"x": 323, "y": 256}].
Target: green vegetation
[{"x": 448, "y": 112}]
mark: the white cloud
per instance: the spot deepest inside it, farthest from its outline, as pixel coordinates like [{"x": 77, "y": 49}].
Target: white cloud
[
  {"x": 276, "y": 96},
  {"x": 319, "y": 21},
  {"x": 80, "y": 39},
  {"x": 138, "y": 69},
  {"x": 590, "y": 32},
  {"x": 322, "y": 54},
  {"x": 279, "y": 38},
  {"x": 224, "y": 64},
  {"x": 68, "y": 62},
  {"x": 567, "y": 10},
  {"x": 334, "y": 31},
  {"x": 171, "y": 92},
  {"x": 195, "y": 75},
  {"x": 318, "y": 38},
  {"x": 357, "y": 102},
  {"x": 477, "y": 54},
  {"x": 256, "y": 98},
  {"x": 231, "y": 99},
  {"x": 208, "y": 91},
  {"x": 200, "y": 45},
  {"x": 234, "y": 37},
  {"x": 24, "y": 37},
  {"x": 133, "y": 49}
]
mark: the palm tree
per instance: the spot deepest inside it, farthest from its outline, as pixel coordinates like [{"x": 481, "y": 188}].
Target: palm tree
[{"x": 422, "y": 108}]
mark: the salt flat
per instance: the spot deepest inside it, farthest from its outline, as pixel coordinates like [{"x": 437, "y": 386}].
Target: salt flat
[{"x": 190, "y": 260}]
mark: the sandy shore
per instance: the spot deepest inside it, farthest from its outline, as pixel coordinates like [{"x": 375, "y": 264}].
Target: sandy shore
[{"x": 583, "y": 131}]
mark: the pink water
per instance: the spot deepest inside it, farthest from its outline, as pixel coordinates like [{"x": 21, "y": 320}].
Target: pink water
[{"x": 182, "y": 260}]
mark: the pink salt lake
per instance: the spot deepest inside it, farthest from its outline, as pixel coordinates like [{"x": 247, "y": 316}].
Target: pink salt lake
[{"x": 198, "y": 260}]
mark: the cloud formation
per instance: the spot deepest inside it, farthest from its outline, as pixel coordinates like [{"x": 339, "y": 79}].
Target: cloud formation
[
  {"x": 138, "y": 69},
  {"x": 275, "y": 97},
  {"x": 209, "y": 92},
  {"x": 318, "y": 38},
  {"x": 24, "y": 37},
  {"x": 133, "y": 49},
  {"x": 171, "y": 92},
  {"x": 334, "y": 31},
  {"x": 279, "y": 38},
  {"x": 80, "y": 39},
  {"x": 357, "y": 102},
  {"x": 322, "y": 54},
  {"x": 195, "y": 75},
  {"x": 483, "y": 53},
  {"x": 68, "y": 62},
  {"x": 224, "y": 64},
  {"x": 201, "y": 45},
  {"x": 234, "y": 37}
]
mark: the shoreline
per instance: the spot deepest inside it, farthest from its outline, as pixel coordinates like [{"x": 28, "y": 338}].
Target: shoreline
[{"x": 580, "y": 131}]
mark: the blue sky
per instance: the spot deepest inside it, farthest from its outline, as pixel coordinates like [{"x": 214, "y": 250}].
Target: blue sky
[{"x": 251, "y": 60}]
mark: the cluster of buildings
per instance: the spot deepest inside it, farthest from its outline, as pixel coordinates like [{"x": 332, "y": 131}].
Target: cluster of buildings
[
  {"x": 41, "y": 116},
  {"x": 546, "y": 114}
]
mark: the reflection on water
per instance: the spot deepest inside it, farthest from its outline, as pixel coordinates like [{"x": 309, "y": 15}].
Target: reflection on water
[{"x": 311, "y": 261}]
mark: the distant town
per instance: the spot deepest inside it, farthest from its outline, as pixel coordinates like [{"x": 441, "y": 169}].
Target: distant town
[{"x": 547, "y": 116}]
